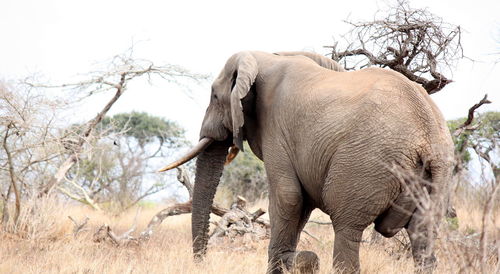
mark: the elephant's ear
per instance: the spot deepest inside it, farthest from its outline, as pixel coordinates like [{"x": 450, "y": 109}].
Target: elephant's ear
[
  {"x": 319, "y": 59},
  {"x": 245, "y": 73}
]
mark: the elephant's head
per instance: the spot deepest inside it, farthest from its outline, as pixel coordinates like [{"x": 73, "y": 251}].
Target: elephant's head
[
  {"x": 224, "y": 116},
  {"x": 231, "y": 98},
  {"x": 221, "y": 128}
]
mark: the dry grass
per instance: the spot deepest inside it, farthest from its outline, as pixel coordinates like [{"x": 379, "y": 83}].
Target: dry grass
[{"x": 49, "y": 246}]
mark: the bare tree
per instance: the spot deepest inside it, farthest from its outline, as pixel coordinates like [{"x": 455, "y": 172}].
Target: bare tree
[
  {"x": 123, "y": 69},
  {"x": 29, "y": 146},
  {"x": 414, "y": 42}
]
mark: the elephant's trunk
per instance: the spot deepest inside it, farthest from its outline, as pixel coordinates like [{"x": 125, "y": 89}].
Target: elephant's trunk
[{"x": 209, "y": 166}]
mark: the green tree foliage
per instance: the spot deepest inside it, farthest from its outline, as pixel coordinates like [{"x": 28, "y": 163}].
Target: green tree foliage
[
  {"x": 145, "y": 128},
  {"x": 120, "y": 169},
  {"x": 461, "y": 140},
  {"x": 245, "y": 176},
  {"x": 483, "y": 138}
]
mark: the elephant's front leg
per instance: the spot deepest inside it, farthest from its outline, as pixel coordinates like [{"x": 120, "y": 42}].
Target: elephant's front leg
[{"x": 288, "y": 213}]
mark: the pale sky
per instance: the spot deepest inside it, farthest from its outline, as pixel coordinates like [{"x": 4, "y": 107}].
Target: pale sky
[{"x": 61, "y": 39}]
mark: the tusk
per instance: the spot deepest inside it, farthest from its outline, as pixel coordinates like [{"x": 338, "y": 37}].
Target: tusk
[
  {"x": 202, "y": 145},
  {"x": 233, "y": 152}
]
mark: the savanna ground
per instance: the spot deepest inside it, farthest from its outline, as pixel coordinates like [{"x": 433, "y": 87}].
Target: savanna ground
[{"x": 45, "y": 244}]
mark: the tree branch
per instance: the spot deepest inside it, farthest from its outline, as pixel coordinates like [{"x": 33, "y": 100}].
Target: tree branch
[
  {"x": 61, "y": 172},
  {"x": 183, "y": 178},
  {"x": 470, "y": 116},
  {"x": 78, "y": 227}
]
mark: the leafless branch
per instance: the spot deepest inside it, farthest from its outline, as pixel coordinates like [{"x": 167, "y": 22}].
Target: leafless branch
[
  {"x": 319, "y": 222},
  {"x": 259, "y": 212},
  {"x": 467, "y": 124},
  {"x": 83, "y": 197},
  {"x": 78, "y": 226},
  {"x": 460, "y": 132},
  {"x": 183, "y": 178},
  {"x": 180, "y": 208},
  {"x": 70, "y": 161},
  {"x": 311, "y": 235}
]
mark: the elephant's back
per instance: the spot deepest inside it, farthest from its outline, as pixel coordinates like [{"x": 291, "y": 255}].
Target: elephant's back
[
  {"x": 379, "y": 121},
  {"x": 383, "y": 99}
]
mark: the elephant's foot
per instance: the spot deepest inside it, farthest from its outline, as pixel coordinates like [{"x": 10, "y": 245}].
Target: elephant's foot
[
  {"x": 425, "y": 265},
  {"x": 421, "y": 239},
  {"x": 305, "y": 262},
  {"x": 296, "y": 262}
]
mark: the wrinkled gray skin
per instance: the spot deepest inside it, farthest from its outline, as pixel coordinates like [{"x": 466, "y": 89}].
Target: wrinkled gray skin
[{"x": 328, "y": 140}]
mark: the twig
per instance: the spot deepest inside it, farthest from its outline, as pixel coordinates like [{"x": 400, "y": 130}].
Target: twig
[
  {"x": 311, "y": 235},
  {"x": 259, "y": 212},
  {"x": 78, "y": 227},
  {"x": 319, "y": 222},
  {"x": 183, "y": 178},
  {"x": 105, "y": 232}
]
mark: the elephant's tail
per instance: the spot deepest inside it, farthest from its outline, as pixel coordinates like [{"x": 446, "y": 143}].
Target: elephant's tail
[
  {"x": 441, "y": 168},
  {"x": 425, "y": 192}
]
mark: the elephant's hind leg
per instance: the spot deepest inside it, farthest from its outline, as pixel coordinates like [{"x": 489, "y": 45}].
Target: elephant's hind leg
[
  {"x": 422, "y": 240},
  {"x": 288, "y": 213},
  {"x": 397, "y": 216},
  {"x": 346, "y": 249}
]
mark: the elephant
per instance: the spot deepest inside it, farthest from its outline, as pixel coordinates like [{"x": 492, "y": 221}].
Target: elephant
[{"x": 329, "y": 139}]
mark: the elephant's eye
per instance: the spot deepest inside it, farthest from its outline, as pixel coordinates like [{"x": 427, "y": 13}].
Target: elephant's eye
[{"x": 215, "y": 96}]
